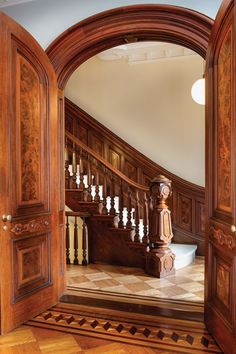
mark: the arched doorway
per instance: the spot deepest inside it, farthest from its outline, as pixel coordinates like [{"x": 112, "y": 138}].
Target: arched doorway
[{"x": 124, "y": 25}]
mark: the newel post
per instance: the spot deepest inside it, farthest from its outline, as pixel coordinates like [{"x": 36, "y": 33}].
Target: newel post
[{"x": 159, "y": 258}]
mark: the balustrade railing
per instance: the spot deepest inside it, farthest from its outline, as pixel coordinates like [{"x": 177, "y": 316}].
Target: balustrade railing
[{"x": 98, "y": 182}]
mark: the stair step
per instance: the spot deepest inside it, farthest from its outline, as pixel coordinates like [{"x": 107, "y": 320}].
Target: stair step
[{"x": 184, "y": 254}]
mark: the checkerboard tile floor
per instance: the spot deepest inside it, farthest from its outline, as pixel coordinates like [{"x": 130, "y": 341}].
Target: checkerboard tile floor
[{"x": 186, "y": 284}]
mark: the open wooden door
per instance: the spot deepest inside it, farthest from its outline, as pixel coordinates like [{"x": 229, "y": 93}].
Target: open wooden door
[
  {"x": 29, "y": 177},
  {"x": 220, "y": 302}
]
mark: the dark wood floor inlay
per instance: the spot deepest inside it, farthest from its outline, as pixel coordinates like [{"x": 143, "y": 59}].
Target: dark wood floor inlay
[{"x": 179, "y": 336}]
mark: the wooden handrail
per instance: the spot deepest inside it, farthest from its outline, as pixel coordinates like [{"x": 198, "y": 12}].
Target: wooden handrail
[
  {"x": 105, "y": 163},
  {"x": 77, "y": 213}
]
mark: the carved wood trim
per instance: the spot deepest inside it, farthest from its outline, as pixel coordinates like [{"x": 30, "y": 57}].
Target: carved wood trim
[
  {"x": 32, "y": 226},
  {"x": 222, "y": 238},
  {"x": 118, "y": 26}
]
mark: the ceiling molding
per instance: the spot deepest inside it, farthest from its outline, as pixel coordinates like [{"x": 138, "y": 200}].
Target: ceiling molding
[{"x": 144, "y": 52}]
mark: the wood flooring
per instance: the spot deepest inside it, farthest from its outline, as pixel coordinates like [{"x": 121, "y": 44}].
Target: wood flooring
[
  {"x": 127, "y": 333},
  {"x": 186, "y": 284}
]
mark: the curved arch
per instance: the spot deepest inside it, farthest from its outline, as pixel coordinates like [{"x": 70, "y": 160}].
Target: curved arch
[{"x": 124, "y": 25}]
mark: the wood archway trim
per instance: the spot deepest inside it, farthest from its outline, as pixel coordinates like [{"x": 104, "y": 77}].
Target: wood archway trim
[{"x": 127, "y": 24}]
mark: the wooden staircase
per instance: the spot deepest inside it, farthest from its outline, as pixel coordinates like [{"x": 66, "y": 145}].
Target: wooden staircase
[{"x": 115, "y": 211}]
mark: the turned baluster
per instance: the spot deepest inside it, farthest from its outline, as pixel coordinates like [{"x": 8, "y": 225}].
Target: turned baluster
[
  {"x": 137, "y": 218},
  {"x": 159, "y": 258},
  {"x": 121, "y": 205},
  {"x": 104, "y": 193},
  {"x": 81, "y": 172},
  {"x": 96, "y": 182},
  {"x": 112, "y": 196},
  {"x": 67, "y": 172},
  {"x": 76, "y": 245},
  {"x": 84, "y": 244},
  {"x": 74, "y": 169},
  {"x": 129, "y": 210},
  {"x": 67, "y": 241},
  {"x": 89, "y": 176},
  {"x": 145, "y": 219}
]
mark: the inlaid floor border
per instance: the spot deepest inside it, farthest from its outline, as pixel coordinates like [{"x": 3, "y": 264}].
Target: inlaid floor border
[{"x": 170, "y": 336}]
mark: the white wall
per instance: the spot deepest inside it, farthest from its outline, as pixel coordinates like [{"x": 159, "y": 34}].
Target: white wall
[
  {"x": 149, "y": 105},
  {"x": 46, "y": 19}
]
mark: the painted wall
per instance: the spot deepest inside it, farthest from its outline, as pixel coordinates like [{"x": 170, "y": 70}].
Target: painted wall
[
  {"x": 46, "y": 19},
  {"x": 149, "y": 105}
]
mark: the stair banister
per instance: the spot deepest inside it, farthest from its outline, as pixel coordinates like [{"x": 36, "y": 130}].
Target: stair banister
[
  {"x": 154, "y": 216},
  {"x": 105, "y": 163}
]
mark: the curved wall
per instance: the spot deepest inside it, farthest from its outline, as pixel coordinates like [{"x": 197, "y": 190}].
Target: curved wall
[{"x": 148, "y": 105}]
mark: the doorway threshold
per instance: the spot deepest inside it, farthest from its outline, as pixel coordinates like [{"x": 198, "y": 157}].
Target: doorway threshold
[{"x": 134, "y": 304}]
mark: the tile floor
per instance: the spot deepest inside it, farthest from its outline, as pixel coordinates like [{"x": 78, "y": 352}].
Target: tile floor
[{"x": 187, "y": 284}]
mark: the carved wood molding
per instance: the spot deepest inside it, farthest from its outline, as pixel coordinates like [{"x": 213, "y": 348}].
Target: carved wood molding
[
  {"x": 222, "y": 238},
  {"x": 31, "y": 226},
  {"x": 122, "y": 25}
]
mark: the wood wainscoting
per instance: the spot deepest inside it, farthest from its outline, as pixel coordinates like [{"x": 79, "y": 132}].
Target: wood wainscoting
[{"x": 187, "y": 203}]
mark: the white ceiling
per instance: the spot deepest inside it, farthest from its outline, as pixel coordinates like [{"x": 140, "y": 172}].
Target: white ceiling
[
  {"x": 4, "y": 3},
  {"x": 144, "y": 51}
]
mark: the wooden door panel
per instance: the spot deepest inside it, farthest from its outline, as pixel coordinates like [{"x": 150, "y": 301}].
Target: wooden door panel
[
  {"x": 223, "y": 72},
  {"x": 31, "y": 264},
  {"x": 29, "y": 133},
  {"x": 29, "y": 178},
  {"x": 220, "y": 301}
]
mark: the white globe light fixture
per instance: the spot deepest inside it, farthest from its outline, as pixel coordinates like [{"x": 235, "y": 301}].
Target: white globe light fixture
[{"x": 198, "y": 91}]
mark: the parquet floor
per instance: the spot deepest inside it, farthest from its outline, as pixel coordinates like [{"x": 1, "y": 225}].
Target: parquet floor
[
  {"x": 33, "y": 340},
  {"x": 96, "y": 330},
  {"x": 187, "y": 284}
]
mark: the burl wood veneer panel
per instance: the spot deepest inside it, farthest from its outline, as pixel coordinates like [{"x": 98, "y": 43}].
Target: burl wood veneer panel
[
  {"x": 224, "y": 125},
  {"x": 31, "y": 264},
  {"x": 29, "y": 123}
]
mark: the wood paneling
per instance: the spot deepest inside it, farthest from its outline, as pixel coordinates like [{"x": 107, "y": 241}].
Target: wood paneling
[
  {"x": 224, "y": 124},
  {"x": 185, "y": 212},
  {"x": 29, "y": 127},
  {"x": 220, "y": 301},
  {"x": 29, "y": 182},
  {"x": 187, "y": 203},
  {"x": 223, "y": 283},
  {"x": 31, "y": 264},
  {"x": 115, "y": 159},
  {"x": 29, "y": 132}
]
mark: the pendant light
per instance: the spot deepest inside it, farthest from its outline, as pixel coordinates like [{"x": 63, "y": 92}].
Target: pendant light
[{"x": 198, "y": 90}]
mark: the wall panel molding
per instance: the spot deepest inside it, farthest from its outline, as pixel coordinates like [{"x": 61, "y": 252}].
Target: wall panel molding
[{"x": 188, "y": 200}]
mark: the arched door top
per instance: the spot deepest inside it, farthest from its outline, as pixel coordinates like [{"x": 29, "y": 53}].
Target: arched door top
[{"x": 122, "y": 25}]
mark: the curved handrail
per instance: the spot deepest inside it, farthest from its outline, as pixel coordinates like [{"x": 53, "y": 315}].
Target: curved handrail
[{"x": 105, "y": 163}]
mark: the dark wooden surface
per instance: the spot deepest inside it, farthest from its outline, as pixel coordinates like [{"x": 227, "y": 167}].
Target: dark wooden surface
[
  {"x": 29, "y": 173},
  {"x": 220, "y": 302},
  {"x": 127, "y": 24},
  {"x": 177, "y": 309},
  {"x": 187, "y": 203}
]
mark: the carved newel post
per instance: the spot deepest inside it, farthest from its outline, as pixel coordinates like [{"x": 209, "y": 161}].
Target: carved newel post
[{"x": 159, "y": 258}]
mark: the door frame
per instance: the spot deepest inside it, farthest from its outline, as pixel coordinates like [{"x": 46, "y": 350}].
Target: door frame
[{"x": 114, "y": 27}]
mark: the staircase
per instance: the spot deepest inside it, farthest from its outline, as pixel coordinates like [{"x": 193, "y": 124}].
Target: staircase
[{"x": 125, "y": 221}]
